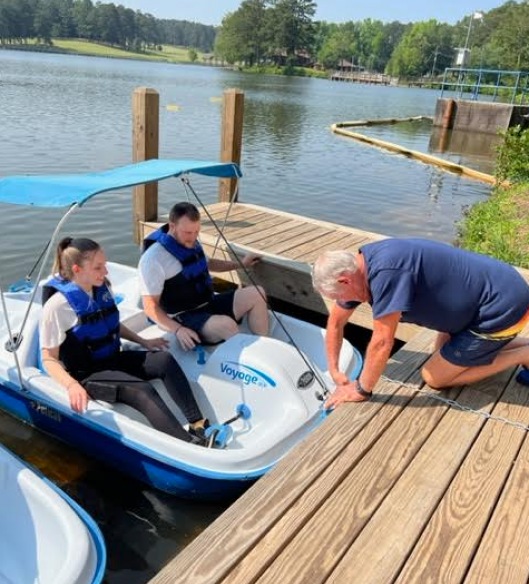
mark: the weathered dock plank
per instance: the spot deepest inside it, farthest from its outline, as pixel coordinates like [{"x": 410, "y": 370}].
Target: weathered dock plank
[
  {"x": 465, "y": 510},
  {"x": 405, "y": 512},
  {"x": 502, "y": 555}
]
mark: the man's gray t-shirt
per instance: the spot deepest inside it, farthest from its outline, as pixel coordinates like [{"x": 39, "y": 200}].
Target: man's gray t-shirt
[{"x": 443, "y": 288}]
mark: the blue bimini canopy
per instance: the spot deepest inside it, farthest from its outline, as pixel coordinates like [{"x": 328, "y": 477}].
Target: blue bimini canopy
[{"x": 61, "y": 190}]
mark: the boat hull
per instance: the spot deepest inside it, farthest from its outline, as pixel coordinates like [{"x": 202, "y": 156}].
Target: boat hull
[
  {"x": 115, "y": 451},
  {"x": 45, "y": 536}
]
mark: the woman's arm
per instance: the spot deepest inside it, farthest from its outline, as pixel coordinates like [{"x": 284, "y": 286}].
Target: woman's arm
[{"x": 55, "y": 369}]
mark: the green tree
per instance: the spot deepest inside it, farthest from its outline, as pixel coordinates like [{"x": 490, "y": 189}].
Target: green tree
[
  {"x": 193, "y": 55},
  {"x": 106, "y": 24},
  {"x": 340, "y": 44},
  {"x": 511, "y": 37},
  {"x": 44, "y": 19},
  {"x": 243, "y": 34},
  {"x": 414, "y": 55},
  {"x": 83, "y": 16},
  {"x": 291, "y": 27}
]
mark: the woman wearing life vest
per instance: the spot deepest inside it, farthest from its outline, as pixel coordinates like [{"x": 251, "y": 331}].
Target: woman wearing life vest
[{"x": 80, "y": 342}]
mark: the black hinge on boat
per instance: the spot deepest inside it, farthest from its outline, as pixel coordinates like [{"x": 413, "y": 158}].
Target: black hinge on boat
[
  {"x": 11, "y": 345},
  {"x": 305, "y": 380}
]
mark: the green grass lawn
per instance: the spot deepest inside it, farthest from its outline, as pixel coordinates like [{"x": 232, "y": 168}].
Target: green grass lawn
[
  {"x": 499, "y": 226},
  {"x": 169, "y": 53}
]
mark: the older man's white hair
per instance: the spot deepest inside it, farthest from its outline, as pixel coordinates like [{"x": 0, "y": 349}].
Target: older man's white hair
[{"x": 329, "y": 266}]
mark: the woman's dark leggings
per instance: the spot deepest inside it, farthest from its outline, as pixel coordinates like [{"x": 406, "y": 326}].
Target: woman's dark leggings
[{"x": 125, "y": 378}]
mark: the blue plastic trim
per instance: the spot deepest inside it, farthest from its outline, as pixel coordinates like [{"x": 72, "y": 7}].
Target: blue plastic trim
[{"x": 243, "y": 411}]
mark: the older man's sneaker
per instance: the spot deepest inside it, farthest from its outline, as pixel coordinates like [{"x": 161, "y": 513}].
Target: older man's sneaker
[{"x": 523, "y": 376}]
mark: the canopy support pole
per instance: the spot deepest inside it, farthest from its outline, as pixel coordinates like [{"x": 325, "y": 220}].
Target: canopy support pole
[{"x": 16, "y": 339}]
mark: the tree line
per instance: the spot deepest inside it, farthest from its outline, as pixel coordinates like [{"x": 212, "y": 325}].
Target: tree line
[
  {"x": 21, "y": 20},
  {"x": 285, "y": 32}
]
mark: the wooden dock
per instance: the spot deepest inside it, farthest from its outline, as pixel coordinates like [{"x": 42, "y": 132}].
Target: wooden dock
[
  {"x": 364, "y": 77},
  {"x": 401, "y": 489},
  {"x": 404, "y": 488}
]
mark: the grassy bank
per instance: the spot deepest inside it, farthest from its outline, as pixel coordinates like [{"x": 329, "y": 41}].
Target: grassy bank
[
  {"x": 499, "y": 227},
  {"x": 168, "y": 54}
]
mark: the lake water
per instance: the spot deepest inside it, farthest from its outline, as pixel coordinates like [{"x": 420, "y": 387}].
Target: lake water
[{"x": 73, "y": 114}]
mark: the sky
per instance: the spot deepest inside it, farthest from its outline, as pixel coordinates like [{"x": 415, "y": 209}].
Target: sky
[{"x": 212, "y": 11}]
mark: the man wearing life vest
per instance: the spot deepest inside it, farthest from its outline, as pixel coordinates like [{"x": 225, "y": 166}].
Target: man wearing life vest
[{"x": 177, "y": 291}]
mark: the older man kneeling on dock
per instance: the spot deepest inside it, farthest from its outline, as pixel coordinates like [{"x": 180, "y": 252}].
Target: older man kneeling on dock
[{"x": 477, "y": 304}]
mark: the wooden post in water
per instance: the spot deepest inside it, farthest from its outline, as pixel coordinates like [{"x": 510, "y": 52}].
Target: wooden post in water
[
  {"x": 448, "y": 117},
  {"x": 231, "y": 138},
  {"x": 145, "y": 132}
]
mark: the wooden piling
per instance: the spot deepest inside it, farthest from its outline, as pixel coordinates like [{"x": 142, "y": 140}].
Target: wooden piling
[
  {"x": 448, "y": 117},
  {"x": 231, "y": 139},
  {"x": 145, "y": 145}
]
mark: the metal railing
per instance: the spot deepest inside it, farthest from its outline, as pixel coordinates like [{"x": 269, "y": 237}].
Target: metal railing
[{"x": 487, "y": 84}]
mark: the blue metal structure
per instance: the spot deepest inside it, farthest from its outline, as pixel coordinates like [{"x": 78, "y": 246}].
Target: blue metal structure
[{"x": 487, "y": 84}]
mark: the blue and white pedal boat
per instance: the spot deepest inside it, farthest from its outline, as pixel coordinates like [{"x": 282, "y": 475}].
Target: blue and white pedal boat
[
  {"x": 45, "y": 537},
  {"x": 275, "y": 385}
]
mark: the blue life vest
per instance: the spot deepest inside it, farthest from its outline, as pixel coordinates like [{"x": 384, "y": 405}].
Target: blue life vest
[
  {"x": 192, "y": 286},
  {"x": 96, "y": 336}
]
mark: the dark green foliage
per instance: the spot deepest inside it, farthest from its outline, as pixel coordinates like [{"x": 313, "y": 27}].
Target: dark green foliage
[
  {"x": 512, "y": 161},
  {"x": 104, "y": 22},
  {"x": 500, "y": 225},
  {"x": 282, "y": 32}
]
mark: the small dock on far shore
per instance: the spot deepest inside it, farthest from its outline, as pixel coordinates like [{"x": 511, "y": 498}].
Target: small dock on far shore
[{"x": 364, "y": 77}]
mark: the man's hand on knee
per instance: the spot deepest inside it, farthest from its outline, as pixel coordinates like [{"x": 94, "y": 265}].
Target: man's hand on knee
[{"x": 187, "y": 338}]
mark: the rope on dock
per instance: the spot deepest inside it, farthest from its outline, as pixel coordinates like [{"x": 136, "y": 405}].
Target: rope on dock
[
  {"x": 458, "y": 406},
  {"x": 447, "y": 165}
]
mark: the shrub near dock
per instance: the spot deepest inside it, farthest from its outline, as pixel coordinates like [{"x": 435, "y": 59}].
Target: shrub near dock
[{"x": 500, "y": 226}]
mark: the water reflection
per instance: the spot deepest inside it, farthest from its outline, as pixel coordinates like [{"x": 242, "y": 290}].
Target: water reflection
[
  {"x": 478, "y": 147},
  {"x": 275, "y": 126}
]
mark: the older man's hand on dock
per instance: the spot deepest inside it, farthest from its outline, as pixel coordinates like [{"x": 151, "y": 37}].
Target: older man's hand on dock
[{"x": 347, "y": 392}]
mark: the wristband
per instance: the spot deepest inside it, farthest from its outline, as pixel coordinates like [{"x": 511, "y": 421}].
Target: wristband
[{"x": 363, "y": 392}]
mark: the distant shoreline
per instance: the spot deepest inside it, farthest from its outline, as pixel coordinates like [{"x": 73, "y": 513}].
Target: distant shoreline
[{"x": 84, "y": 48}]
